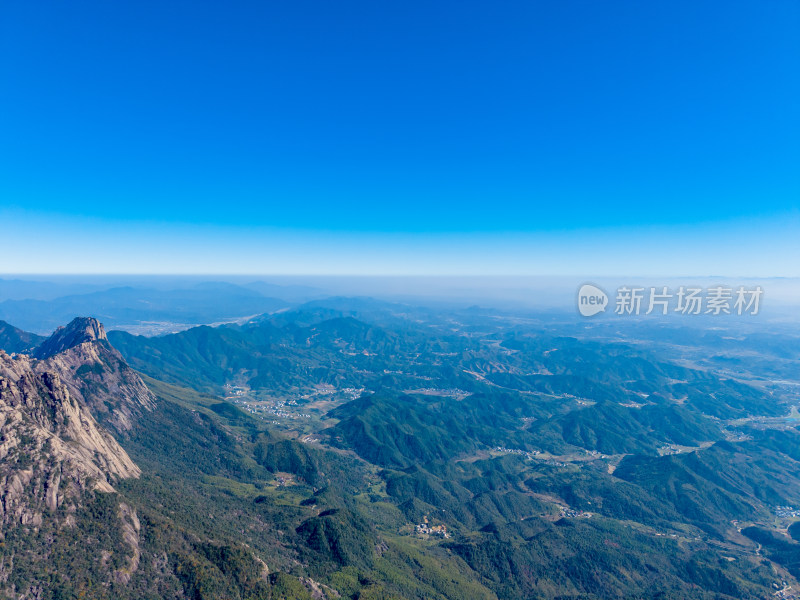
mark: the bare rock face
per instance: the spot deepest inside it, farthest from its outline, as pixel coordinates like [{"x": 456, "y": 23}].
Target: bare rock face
[
  {"x": 58, "y": 409},
  {"x": 95, "y": 373},
  {"x": 51, "y": 447},
  {"x": 130, "y": 533},
  {"x": 53, "y": 409},
  {"x": 79, "y": 330}
]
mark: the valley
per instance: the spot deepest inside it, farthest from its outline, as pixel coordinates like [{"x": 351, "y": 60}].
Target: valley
[{"x": 399, "y": 453}]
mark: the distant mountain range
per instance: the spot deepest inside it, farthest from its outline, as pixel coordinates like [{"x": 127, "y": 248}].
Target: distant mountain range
[
  {"x": 147, "y": 310},
  {"x": 13, "y": 339}
]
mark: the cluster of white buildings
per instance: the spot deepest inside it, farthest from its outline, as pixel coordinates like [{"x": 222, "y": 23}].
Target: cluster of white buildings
[
  {"x": 439, "y": 531},
  {"x": 569, "y": 513},
  {"x": 525, "y": 453},
  {"x": 787, "y": 512}
]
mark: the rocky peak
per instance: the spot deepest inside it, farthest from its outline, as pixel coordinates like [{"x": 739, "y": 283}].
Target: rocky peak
[
  {"x": 54, "y": 407},
  {"x": 78, "y": 331},
  {"x": 95, "y": 373},
  {"x": 51, "y": 447}
]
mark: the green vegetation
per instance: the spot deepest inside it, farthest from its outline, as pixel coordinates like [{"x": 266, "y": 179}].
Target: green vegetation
[
  {"x": 480, "y": 461},
  {"x": 13, "y": 339}
]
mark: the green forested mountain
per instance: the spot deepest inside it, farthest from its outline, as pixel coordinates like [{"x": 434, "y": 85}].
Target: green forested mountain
[
  {"x": 13, "y": 339},
  {"x": 326, "y": 453}
]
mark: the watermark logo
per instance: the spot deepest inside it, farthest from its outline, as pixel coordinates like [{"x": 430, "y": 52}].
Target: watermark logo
[
  {"x": 686, "y": 300},
  {"x": 591, "y": 300}
]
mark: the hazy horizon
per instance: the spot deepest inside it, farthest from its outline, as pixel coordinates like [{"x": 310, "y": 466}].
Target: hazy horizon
[
  {"x": 358, "y": 139},
  {"x": 400, "y": 301}
]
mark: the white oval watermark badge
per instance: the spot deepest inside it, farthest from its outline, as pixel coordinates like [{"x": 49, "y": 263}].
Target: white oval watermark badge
[{"x": 591, "y": 300}]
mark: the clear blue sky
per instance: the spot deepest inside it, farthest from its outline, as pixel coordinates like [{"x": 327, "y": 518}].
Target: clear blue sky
[{"x": 399, "y": 136}]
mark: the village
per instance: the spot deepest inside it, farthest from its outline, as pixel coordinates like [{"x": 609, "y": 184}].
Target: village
[{"x": 425, "y": 530}]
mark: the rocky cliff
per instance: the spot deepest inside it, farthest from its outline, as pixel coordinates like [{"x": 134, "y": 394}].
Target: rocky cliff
[
  {"x": 51, "y": 447},
  {"x": 95, "y": 373},
  {"x": 80, "y": 330},
  {"x": 54, "y": 409}
]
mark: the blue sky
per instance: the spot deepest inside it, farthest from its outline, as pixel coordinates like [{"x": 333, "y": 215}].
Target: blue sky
[{"x": 401, "y": 137}]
